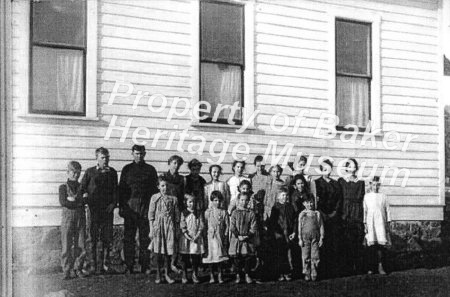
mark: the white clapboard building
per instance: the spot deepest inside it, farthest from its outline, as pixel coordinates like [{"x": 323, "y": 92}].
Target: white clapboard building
[{"x": 224, "y": 80}]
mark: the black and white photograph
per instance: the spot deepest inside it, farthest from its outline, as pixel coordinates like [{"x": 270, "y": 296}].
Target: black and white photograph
[{"x": 250, "y": 148}]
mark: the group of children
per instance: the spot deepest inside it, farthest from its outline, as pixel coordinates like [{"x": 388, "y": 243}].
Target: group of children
[{"x": 254, "y": 220}]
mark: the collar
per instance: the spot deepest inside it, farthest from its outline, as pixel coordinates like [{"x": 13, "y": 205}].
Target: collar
[
  {"x": 105, "y": 169},
  {"x": 347, "y": 179}
]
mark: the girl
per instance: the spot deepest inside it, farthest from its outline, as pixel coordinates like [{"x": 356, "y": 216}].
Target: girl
[
  {"x": 329, "y": 202},
  {"x": 245, "y": 187},
  {"x": 234, "y": 181},
  {"x": 195, "y": 184},
  {"x": 242, "y": 229},
  {"x": 163, "y": 215},
  {"x": 215, "y": 171},
  {"x": 282, "y": 223},
  {"x": 273, "y": 187},
  {"x": 299, "y": 169},
  {"x": 299, "y": 192},
  {"x": 353, "y": 191},
  {"x": 376, "y": 223},
  {"x": 191, "y": 241},
  {"x": 217, "y": 222},
  {"x": 310, "y": 235}
]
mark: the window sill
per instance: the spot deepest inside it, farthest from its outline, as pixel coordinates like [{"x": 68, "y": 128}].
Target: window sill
[
  {"x": 358, "y": 133},
  {"x": 217, "y": 125},
  {"x": 58, "y": 117}
]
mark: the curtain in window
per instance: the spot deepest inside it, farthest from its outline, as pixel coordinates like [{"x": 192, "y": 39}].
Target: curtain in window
[
  {"x": 69, "y": 82},
  {"x": 221, "y": 84},
  {"x": 352, "y": 104},
  {"x": 58, "y": 83}
]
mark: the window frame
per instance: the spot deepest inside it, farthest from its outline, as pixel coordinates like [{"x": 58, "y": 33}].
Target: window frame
[
  {"x": 247, "y": 77},
  {"x": 55, "y": 45},
  {"x": 362, "y": 17},
  {"x": 24, "y": 77}
]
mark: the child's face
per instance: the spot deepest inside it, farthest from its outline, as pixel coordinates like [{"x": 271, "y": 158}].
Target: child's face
[
  {"x": 215, "y": 202},
  {"x": 301, "y": 165},
  {"x": 308, "y": 205},
  {"x": 282, "y": 197},
  {"x": 351, "y": 167},
  {"x": 244, "y": 189},
  {"x": 299, "y": 186},
  {"x": 326, "y": 169},
  {"x": 276, "y": 173},
  {"x": 259, "y": 167},
  {"x": 195, "y": 171},
  {"x": 73, "y": 174},
  {"x": 190, "y": 204},
  {"x": 243, "y": 201},
  {"x": 138, "y": 156},
  {"x": 162, "y": 187},
  {"x": 238, "y": 168},
  {"x": 374, "y": 187},
  {"x": 174, "y": 166},
  {"x": 215, "y": 173},
  {"x": 102, "y": 160}
]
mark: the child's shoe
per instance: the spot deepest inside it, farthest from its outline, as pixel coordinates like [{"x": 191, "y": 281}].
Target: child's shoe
[
  {"x": 281, "y": 278},
  {"x": 248, "y": 279},
  {"x": 307, "y": 277},
  {"x": 184, "y": 280},
  {"x": 238, "y": 279},
  {"x": 175, "y": 269},
  {"x": 169, "y": 280},
  {"x": 195, "y": 278},
  {"x": 211, "y": 279},
  {"x": 313, "y": 277},
  {"x": 370, "y": 272},
  {"x": 287, "y": 277},
  {"x": 380, "y": 269},
  {"x": 219, "y": 278},
  {"x": 158, "y": 280}
]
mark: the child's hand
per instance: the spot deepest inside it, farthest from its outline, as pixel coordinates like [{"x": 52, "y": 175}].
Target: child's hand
[
  {"x": 320, "y": 242},
  {"x": 242, "y": 238},
  {"x": 70, "y": 198},
  {"x": 291, "y": 237},
  {"x": 300, "y": 242}
]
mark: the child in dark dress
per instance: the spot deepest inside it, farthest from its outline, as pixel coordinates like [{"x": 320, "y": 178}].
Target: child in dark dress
[
  {"x": 282, "y": 224},
  {"x": 195, "y": 185}
]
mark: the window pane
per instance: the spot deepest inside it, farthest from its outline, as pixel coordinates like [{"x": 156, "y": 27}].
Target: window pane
[
  {"x": 352, "y": 101},
  {"x": 221, "y": 84},
  {"x": 222, "y": 33},
  {"x": 58, "y": 84},
  {"x": 353, "y": 48},
  {"x": 59, "y": 21}
]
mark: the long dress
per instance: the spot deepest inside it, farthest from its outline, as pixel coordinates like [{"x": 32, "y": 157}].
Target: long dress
[
  {"x": 220, "y": 186},
  {"x": 376, "y": 215},
  {"x": 353, "y": 216},
  {"x": 242, "y": 223},
  {"x": 194, "y": 227},
  {"x": 217, "y": 233},
  {"x": 163, "y": 216}
]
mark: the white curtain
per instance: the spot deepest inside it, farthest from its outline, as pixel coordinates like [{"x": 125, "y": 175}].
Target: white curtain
[
  {"x": 69, "y": 81},
  {"x": 221, "y": 84},
  {"x": 352, "y": 101}
]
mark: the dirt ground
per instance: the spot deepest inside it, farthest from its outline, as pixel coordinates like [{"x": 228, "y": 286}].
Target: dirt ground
[{"x": 417, "y": 282}]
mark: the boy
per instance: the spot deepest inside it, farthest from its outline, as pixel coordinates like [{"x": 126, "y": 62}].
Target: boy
[
  {"x": 99, "y": 184},
  {"x": 73, "y": 222},
  {"x": 310, "y": 237},
  {"x": 260, "y": 178},
  {"x": 138, "y": 183},
  {"x": 195, "y": 185}
]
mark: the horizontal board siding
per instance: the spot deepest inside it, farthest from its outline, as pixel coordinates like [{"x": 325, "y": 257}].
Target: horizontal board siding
[{"x": 149, "y": 44}]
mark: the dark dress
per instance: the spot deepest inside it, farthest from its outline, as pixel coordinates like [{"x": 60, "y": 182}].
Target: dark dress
[
  {"x": 353, "y": 218},
  {"x": 175, "y": 187},
  {"x": 196, "y": 188},
  {"x": 329, "y": 196}
]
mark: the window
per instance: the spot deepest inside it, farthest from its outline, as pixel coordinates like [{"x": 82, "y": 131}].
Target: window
[
  {"x": 222, "y": 58},
  {"x": 353, "y": 72},
  {"x": 58, "y": 45}
]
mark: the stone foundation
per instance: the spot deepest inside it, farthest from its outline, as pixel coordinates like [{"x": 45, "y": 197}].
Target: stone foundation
[{"x": 414, "y": 245}]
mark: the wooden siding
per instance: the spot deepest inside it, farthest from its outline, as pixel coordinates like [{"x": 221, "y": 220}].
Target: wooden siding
[{"x": 149, "y": 44}]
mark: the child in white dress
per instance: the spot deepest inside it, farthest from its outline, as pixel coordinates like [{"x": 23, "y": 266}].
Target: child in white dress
[
  {"x": 376, "y": 223},
  {"x": 234, "y": 181}
]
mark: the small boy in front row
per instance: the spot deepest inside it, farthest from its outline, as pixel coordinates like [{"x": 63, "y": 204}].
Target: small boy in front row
[
  {"x": 310, "y": 234},
  {"x": 73, "y": 223}
]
